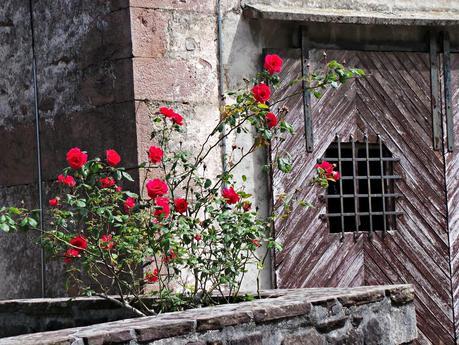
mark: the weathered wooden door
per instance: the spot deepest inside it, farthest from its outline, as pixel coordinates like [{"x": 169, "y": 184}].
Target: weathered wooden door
[{"x": 392, "y": 106}]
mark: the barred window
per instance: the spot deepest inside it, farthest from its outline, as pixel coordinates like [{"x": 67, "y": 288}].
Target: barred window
[{"x": 364, "y": 198}]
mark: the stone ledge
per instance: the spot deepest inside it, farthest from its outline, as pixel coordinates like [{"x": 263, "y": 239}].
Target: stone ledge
[
  {"x": 285, "y": 314},
  {"x": 345, "y": 16}
]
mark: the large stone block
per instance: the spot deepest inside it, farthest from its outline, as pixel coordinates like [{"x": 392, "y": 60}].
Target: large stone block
[
  {"x": 16, "y": 93},
  {"x": 20, "y": 268},
  {"x": 111, "y": 126},
  {"x": 193, "y": 35},
  {"x": 174, "y": 80},
  {"x": 207, "y": 6},
  {"x": 149, "y": 32}
]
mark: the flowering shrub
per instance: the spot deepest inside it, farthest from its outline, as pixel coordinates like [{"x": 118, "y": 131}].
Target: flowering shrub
[{"x": 188, "y": 236}]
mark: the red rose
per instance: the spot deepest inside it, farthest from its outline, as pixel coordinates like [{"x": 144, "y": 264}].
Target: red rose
[
  {"x": 273, "y": 64},
  {"x": 129, "y": 204},
  {"x": 112, "y": 158},
  {"x": 163, "y": 210},
  {"x": 53, "y": 202},
  {"x": 70, "y": 254},
  {"x": 152, "y": 277},
  {"x": 180, "y": 205},
  {"x": 230, "y": 195},
  {"x": 169, "y": 256},
  {"x": 66, "y": 180},
  {"x": 106, "y": 242},
  {"x": 336, "y": 175},
  {"x": 271, "y": 120},
  {"x": 156, "y": 188},
  {"x": 80, "y": 242},
  {"x": 118, "y": 189},
  {"x": 256, "y": 243},
  {"x": 155, "y": 154},
  {"x": 198, "y": 237},
  {"x": 177, "y": 119},
  {"x": 167, "y": 112},
  {"x": 76, "y": 158},
  {"x": 261, "y": 92},
  {"x": 325, "y": 166},
  {"x": 246, "y": 206},
  {"x": 107, "y": 182}
]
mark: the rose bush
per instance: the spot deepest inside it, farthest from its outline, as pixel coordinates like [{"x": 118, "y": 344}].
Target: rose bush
[{"x": 188, "y": 237}]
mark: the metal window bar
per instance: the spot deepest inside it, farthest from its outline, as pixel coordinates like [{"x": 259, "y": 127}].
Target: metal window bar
[
  {"x": 367, "y": 155},
  {"x": 373, "y": 177},
  {"x": 383, "y": 197},
  {"x": 374, "y": 213},
  {"x": 358, "y": 195},
  {"x": 357, "y": 159},
  {"x": 341, "y": 200},
  {"x": 387, "y": 194},
  {"x": 355, "y": 195}
]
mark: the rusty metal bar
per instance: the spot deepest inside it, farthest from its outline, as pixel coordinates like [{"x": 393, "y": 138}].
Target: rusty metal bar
[
  {"x": 338, "y": 140},
  {"x": 447, "y": 92},
  {"x": 377, "y": 213},
  {"x": 386, "y": 195},
  {"x": 386, "y": 177},
  {"x": 382, "y": 184},
  {"x": 371, "y": 159},
  {"x": 355, "y": 195},
  {"x": 308, "y": 130},
  {"x": 434, "y": 86},
  {"x": 367, "y": 155}
]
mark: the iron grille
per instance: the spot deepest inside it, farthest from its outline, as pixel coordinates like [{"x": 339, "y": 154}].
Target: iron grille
[{"x": 364, "y": 197}]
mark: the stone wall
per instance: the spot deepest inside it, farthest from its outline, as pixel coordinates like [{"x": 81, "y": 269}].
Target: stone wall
[
  {"x": 368, "y": 315},
  {"x": 85, "y": 87}
]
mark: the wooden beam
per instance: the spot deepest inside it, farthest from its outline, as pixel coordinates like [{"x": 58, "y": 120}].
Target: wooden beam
[
  {"x": 447, "y": 91},
  {"x": 435, "y": 91},
  {"x": 307, "y": 111}
]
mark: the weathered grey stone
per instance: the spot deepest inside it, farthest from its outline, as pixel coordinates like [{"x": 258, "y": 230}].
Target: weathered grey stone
[
  {"x": 331, "y": 324},
  {"x": 209, "y": 322},
  {"x": 273, "y": 312},
  {"x": 163, "y": 329},
  {"x": 252, "y": 339},
  {"x": 311, "y": 337},
  {"x": 401, "y": 295}
]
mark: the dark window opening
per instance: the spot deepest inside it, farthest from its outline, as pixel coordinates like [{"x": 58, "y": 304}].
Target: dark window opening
[{"x": 364, "y": 198}]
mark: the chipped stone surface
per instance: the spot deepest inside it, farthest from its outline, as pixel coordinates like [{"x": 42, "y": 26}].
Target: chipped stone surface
[{"x": 318, "y": 323}]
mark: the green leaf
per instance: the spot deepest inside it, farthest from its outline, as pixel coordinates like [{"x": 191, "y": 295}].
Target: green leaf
[
  {"x": 127, "y": 176},
  {"x": 80, "y": 203},
  {"x": 32, "y": 222},
  {"x": 208, "y": 183},
  {"x": 4, "y": 227},
  {"x": 284, "y": 164},
  {"x": 130, "y": 194}
]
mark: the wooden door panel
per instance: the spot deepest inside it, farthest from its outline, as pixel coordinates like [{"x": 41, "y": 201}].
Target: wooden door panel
[
  {"x": 393, "y": 101},
  {"x": 452, "y": 187}
]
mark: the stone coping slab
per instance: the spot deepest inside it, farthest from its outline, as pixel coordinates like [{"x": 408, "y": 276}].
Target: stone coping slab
[
  {"x": 345, "y": 16},
  {"x": 277, "y": 305}
]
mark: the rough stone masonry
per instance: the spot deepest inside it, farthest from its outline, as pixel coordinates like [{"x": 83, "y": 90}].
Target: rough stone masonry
[{"x": 382, "y": 315}]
